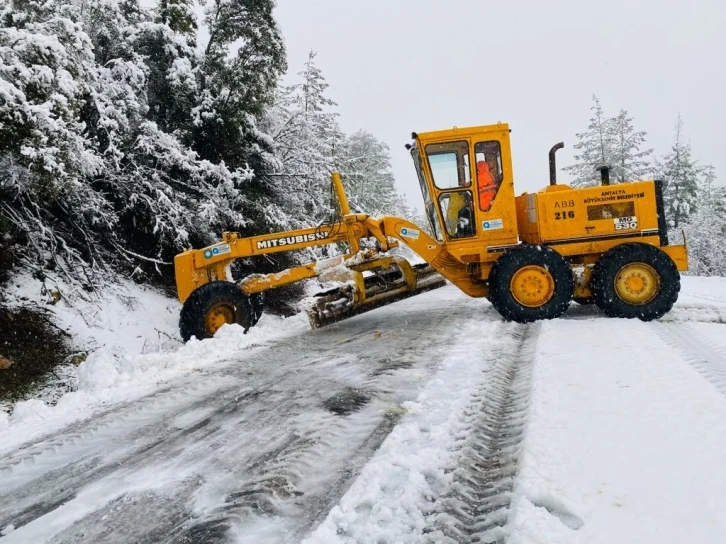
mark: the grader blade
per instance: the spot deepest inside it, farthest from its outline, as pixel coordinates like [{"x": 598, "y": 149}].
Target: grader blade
[{"x": 381, "y": 288}]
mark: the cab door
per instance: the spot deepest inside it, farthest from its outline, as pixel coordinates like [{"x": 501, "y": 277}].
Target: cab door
[
  {"x": 495, "y": 205},
  {"x": 449, "y": 163},
  {"x": 472, "y": 188}
]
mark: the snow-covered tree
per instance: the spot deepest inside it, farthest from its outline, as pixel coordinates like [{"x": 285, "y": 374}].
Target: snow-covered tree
[
  {"x": 142, "y": 120},
  {"x": 593, "y": 149},
  {"x": 706, "y": 230},
  {"x": 680, "y": 174},
  {"x": 613, "y": 142},
  {"x": 243, "y": 59},
  {"x": 307, "y": 142},
  {"x": 100, "y": 109},
  {"x": 696, "y": 205},
  {"x": 171, "y": 65},
  {"x": 630, "y": 162},
  {"x": 46, "y": 69},
  {"x": 710, "y": 194},
  {"x": 366, "y": 166},
  {"x": 46, "y": 61},
  {"x": 167, "y": 199},
  {"x": 122, "y": 143},
  {"x": 179, "y": 16}
]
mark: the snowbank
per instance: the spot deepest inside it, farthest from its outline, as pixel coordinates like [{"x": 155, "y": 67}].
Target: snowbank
[
  {"x": 133, "y": 340},
  {"x": 127, "y": 319}
]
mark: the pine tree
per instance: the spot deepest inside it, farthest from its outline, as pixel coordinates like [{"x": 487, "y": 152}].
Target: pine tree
[
  {"x": 172, "y": 63},
  {"x": 307, "y": 145},
  {"x": 318, "y": 108},
  {"x": 144, "y": 92},
  {"x": 98, "y": 103},
  {"x": 613, "y": 142},
  {"x": 121, "y": 143},
  {"x": 711, "y": 195},
  {"x": 318, "y": 124},
  {"x": 46, "y": 62},
  {"x": 593, "y": 149},
  {"x": 160, "y": 186},
  {"x": 630, "y": 163},
  {"x": 366, "y": 167},
  {"x": 46, "y": 72},
  {"x": 680, "y": 174},
  {"x": 706, "y": 229},
  {"x": 179, "y": 16},
  {"x": 118, "y": 101},
  {"x": 236, "y": 88}
]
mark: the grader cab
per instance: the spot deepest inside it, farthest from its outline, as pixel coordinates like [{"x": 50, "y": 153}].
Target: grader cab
[{"x": 530, "y": 255}]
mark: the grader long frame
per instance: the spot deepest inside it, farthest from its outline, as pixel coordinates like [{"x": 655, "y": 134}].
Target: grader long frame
[{"x": 531, "y": 255}]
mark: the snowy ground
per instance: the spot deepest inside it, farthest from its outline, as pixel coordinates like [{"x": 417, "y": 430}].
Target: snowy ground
[
  {"x": 130, "y": 320},
  {"x": 429, "y": 420}
]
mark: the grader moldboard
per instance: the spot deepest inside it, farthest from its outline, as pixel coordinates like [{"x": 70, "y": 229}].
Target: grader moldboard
[{"x": 530, "y": 255}]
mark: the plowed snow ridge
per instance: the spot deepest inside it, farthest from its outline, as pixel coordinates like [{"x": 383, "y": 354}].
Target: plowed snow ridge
[{"x": 476, "y": 509}]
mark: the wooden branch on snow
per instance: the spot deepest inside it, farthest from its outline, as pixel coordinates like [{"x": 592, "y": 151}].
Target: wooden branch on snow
[{"x": 148, "y": 259}]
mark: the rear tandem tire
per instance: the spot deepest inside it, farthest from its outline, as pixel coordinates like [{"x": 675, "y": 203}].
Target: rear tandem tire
[
  {"x": 635, "y": 280},
  {"x": 214, "y": 304},
  {"x": 530, "y": 283}
]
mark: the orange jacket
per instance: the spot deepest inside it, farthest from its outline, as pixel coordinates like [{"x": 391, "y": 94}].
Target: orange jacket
[{"x": 486, "y": 184}]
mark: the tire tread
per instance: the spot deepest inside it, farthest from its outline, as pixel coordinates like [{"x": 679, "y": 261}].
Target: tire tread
[
  {"x": 195, "y": 308},
  {"x": 612, "y": 261},
  {"x": 506, "y": 266}
]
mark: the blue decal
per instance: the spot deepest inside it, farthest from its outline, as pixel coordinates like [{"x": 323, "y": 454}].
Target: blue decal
[
  {"x": 404, "y": 231},
  {"x": 215, "y": 251},
  {"x": 208, "y": 254},
  {"x": 486, "y": 224}
]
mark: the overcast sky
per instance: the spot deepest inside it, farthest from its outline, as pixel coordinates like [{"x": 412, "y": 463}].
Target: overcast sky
[{"x": 396, "y": 67}]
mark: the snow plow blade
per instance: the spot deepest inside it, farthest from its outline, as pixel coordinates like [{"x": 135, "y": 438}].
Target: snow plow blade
[{"x": 381, "y": 289}]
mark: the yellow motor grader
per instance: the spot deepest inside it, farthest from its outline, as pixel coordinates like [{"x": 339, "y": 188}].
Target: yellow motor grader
[{"x": 530, "y": 255}]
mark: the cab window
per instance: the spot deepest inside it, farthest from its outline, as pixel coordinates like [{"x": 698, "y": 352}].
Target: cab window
[
  {"x": 421, "y": 179},
  {"x": 449, "y": 163},
  {"x": 458, "y": 213},
  {"x": 434, "y": 221},
  {"x": 488, "y": 156}
]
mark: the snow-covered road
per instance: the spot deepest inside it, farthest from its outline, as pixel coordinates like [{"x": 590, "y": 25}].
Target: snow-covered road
[{"x": 429, "y": 420}]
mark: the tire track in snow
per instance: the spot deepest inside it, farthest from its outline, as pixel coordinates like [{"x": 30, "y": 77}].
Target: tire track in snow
[
  {"x": 679, "y": 314},
  {"x": 706, "y": 314},
  {"x": 704, "y": 355},
  {"x": 709, "y": 298},
  {"x": 50, "y": 475},
  {"x": 477, "y": 506},
  {"x": 92, "y": 431}
]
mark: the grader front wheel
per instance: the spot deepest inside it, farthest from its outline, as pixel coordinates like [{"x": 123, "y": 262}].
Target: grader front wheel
[
  {"x": 215, "y": 304},
  {"x": 530, "y": 283}
]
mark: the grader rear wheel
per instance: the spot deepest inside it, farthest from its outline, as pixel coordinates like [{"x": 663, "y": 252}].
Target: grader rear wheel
[
  {"x": 635, "y": 280},
  {"x": 215, "y": 304},
  {"x": 529, "y": 283}
]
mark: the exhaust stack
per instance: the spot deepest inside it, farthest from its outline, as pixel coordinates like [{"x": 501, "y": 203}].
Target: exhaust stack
[
  {"x": 605, "y": 175},
  {"x": 553, "y": 167}
]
